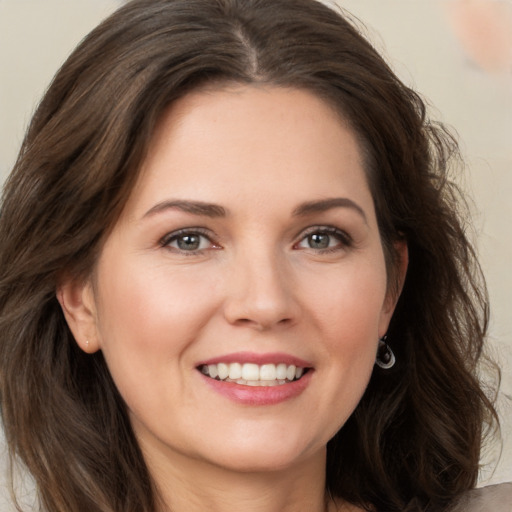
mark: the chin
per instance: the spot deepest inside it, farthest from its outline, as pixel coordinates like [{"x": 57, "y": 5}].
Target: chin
[{"x": 262, "y": 457}]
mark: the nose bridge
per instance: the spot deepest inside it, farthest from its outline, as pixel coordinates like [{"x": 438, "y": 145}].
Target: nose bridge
[{"x": 260, "y": 292}]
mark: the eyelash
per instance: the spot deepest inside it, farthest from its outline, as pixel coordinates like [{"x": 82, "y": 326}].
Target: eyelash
[
  {"x": 176, "y": 235},
  {"x": 344, "y": 239}
]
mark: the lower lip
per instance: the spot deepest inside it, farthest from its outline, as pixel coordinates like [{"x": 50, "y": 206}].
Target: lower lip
[{"x": 256, "y": 395}]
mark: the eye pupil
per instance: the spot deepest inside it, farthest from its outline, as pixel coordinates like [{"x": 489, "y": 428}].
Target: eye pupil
[
  {"x": 318, "y": 240},
  {"x": 189, "y": 242}
]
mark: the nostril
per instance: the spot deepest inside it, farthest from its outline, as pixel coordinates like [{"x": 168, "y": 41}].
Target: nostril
[
  {"x": 262, "y": 324},
  {"x": 244, "y": 321}
]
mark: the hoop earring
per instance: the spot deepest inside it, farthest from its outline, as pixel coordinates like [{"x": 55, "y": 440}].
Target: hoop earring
[{"x": 385, "y": 358}]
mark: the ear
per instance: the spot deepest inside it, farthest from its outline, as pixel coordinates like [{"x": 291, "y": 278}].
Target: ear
[
  {"x": 395, "y": 288},
  {"x": 77, "y": 301}
]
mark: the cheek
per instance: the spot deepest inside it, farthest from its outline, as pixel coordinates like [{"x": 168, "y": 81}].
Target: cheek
[
  {"x": 347, "y": 311},
  {"x": 148, "y": 316},
  {"x": 138, "y": 297},
  {"x": 147, "y": 321},
  {"x": 349, "y": 302}
]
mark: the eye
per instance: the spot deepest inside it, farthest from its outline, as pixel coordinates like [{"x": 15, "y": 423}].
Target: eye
[
  {"x": 186, "y": 240},
  {"x": 324, "y": 239}
]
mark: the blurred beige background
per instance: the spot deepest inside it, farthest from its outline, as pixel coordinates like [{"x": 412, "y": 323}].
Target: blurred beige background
[{"x": 457, "y": 53}]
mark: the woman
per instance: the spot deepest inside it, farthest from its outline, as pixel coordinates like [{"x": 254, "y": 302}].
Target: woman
[{"x": 223, "y": 214}]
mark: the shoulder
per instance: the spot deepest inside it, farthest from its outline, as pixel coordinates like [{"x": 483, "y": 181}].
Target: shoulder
[{"x": 495, "y": 498}]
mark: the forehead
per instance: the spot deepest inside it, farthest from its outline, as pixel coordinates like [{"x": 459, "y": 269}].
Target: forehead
[{"x": 249, "y": 140}]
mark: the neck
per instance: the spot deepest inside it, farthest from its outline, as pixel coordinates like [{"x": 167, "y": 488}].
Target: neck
[{"x": 188, "y": 485}]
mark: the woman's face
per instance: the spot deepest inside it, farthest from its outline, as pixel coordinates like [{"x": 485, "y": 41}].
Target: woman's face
[{"x": 249, "y": 248}]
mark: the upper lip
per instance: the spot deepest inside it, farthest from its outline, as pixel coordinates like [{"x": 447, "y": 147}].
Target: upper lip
[{"x": 259, "y": 359}]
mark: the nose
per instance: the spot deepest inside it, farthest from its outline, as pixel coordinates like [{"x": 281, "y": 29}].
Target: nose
[{"x": 261, "y": 292}]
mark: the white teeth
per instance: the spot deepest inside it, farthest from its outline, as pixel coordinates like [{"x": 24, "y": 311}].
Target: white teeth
[
  {"x": 235, "y": 371},
  {"x": 223, "y": 370},
  {"x": 258, "y": 383},
  {"x": 268, "y": 372},
  {"x": 281, "y": 371},
  {"x": 250, "y": 374},
  {"x": 212, "y": 370}
]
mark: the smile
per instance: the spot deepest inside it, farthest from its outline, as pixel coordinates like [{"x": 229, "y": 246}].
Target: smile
[{"x": 251, "y": 374}]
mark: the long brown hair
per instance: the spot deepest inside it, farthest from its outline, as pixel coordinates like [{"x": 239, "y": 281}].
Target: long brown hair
[{"x": 414, "y": 439}]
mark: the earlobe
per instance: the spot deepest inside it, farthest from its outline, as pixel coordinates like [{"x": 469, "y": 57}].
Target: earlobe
[{"x": 76, "y": 299}]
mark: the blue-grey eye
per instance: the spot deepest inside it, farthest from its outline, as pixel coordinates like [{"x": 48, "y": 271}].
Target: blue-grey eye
[
  {"x": 188, "y": 241},
  {"x": 319, "y": 240},
  {"x": 324, "y": 238}
]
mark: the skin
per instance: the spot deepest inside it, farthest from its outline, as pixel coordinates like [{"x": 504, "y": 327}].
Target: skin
[{"x": 256, "y": 283}]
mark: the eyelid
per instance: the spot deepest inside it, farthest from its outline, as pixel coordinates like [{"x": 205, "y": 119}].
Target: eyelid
[
  {"x": 171, "y": 236},
  {"x": 344, "y": 238}
]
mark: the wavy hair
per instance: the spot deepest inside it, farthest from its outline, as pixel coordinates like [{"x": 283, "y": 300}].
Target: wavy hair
[{"x": 413, "y": 442}]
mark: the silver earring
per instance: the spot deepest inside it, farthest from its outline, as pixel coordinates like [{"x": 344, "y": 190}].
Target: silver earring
[{"x": 385, "y": 358}]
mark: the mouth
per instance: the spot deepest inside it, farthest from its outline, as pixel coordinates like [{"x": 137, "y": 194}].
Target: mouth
[{"x": 255, "y": 375}]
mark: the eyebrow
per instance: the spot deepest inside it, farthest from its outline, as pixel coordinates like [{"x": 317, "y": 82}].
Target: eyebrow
[
  {"x": 193, "y": 207},
  {"x": 213, "y": 210},
  {"x": 327, "y": 204}
]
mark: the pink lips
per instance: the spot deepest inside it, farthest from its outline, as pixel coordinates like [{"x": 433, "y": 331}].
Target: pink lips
[
  {"x": 254, "y": 395},
  {"x": 251, "y": 357}
]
